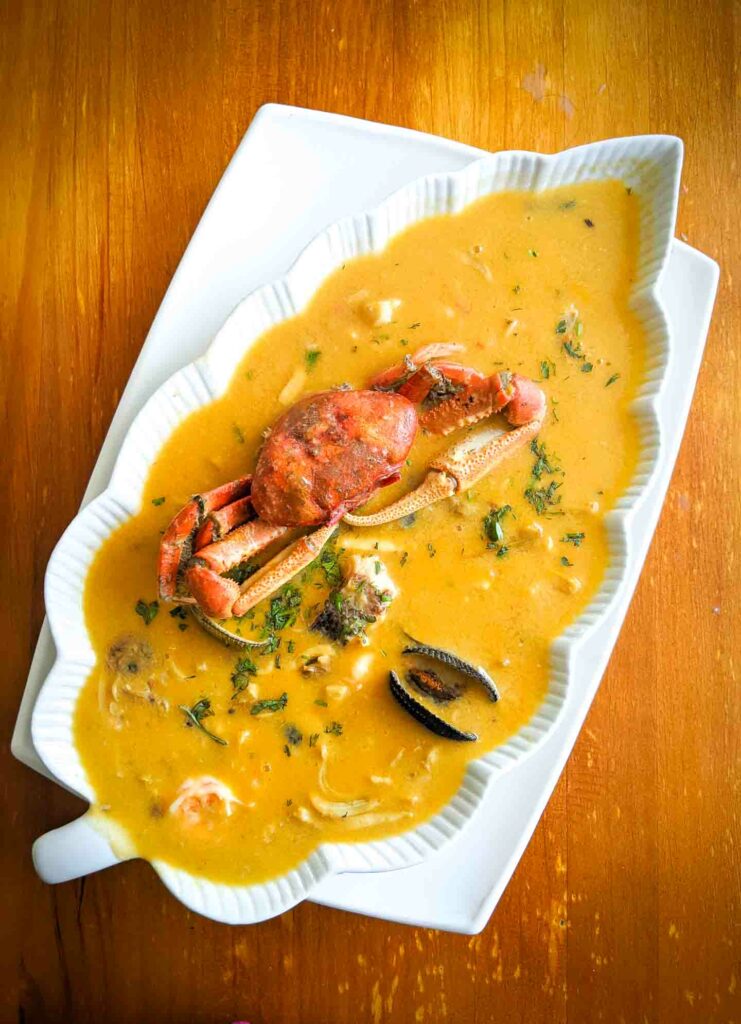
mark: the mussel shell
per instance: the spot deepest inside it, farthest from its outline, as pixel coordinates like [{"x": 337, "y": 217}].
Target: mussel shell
[
  {"x": 218, "y": 631},
  {"x": 424, "y": 716},
  {"x": 453, "y": 661}
]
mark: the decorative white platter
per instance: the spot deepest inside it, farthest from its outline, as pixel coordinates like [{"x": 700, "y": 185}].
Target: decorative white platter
[{"x": 345, "y": 167}]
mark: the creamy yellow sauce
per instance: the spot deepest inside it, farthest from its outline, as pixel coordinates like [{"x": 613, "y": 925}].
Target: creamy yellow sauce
[{"x": 514, "y": 278}]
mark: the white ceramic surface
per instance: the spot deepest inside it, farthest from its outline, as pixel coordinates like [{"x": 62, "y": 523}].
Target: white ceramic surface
[{"x": 354, "y": 124}]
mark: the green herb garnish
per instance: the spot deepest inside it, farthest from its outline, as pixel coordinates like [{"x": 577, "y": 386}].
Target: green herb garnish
[
  {"x": 158, "y": 501},
  {"x": 544, "y": 498},
  {"x": 238, "y": 433},
  {"x": 194, "y": 718},
  {"x": 586, "y": 368},
  {"x": 573, "y": 538},
  {"x": 269, "y": 704},
  {"x": 573, "y": 350},
  {"x": 147, "y": 611},
  {"x": 242, "y": 572},
  {"x": 240, "y": 677},
  {"x": 565, "y": 561},
  {"x": 329, "y": 563},
  {"x": 283, "y": 612},
  {"x": 333, "y": 729},
  {"x": 611, "y": 380},
  {"x": 493, "y": 525},
  {"x": 542, "y": 462},
  {"x": 312, "y": 357}
]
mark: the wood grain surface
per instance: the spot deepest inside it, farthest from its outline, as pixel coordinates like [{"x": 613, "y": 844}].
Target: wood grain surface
[{"x": 118, "y": 119}]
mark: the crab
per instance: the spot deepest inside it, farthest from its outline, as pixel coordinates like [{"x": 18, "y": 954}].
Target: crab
[{"x": 324, "y": 458}]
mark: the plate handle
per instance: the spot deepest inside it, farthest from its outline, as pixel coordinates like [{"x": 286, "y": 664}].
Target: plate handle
[{"x": 74, "y": 850}]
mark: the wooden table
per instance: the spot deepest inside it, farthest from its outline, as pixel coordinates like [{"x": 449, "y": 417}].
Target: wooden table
[{"x": 119, "y": 120}]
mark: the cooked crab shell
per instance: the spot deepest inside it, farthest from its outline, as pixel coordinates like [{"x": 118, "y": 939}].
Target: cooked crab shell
[{"x": 424, "y": 715}]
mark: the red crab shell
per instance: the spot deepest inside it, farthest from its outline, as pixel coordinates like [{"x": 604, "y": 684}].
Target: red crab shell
[{"x": 328, "y": 453}]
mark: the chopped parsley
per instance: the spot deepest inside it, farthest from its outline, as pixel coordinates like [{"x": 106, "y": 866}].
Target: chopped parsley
[
  {"x": 333, "y": 729},
  {"x": 542, "y": 462},
  {"x": 158, "y": 501},
  {"x": 586, "y": 368},
  {"x": 561, "y": 327},
  {"x": 573, "y": 350},
  {"x": 147, "y": 611},
  {"x": 240, "y": 677},
  {"x": 312, "y": 357},
  {"x": 194, "y": 718},
  {"x": 283, "y": 611},
  {"x": 611, "y": 380},
  {"x": 321, "y": 703},
  {"x": 573, "y": 538},
  {"x": 568, "y": 205},
  {"x": 546, "y": 369},
  {"x": 329, "y": 563},
  {"x": 313, "y": 738},
  {"x": 269, "y": 704},
  {"x": 493, "y": 527},
  {"x": 544, "y": 498},
  {"x": 238, "y": 433},
  {"x": 565, "y": 561},
  {"x": 242, "y": 572}
]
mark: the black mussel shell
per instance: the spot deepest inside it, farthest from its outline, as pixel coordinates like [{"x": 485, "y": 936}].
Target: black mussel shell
[
  {"x": 215, "y": 629},
  {"x": 453, "y": 661},
  {"x": 423, "y": 714},
  {"x": 427, "y": 681}
]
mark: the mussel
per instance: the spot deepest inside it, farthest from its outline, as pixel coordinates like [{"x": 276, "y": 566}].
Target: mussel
[
  {"x": 424, "y": 715},
  {"x": 427, "y": 681},
  {"x": 226, "y": 636},
  {"x": 454, "y": 662}
]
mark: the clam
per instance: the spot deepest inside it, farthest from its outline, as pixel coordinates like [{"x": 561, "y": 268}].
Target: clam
[{"x": 424, "y": 715}]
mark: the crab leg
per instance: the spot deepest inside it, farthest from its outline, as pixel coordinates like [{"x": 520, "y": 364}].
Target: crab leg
[
  {"x": 178, "y": 540},
  {"x": 282, "y": 568},
  {"x": 471, "y": 459}
]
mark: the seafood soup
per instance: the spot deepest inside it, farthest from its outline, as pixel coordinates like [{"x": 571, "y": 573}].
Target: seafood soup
[{"x": 399, "y": 504}]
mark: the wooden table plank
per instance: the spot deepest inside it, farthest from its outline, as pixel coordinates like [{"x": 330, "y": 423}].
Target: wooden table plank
[{"x": 119, "y": 120}]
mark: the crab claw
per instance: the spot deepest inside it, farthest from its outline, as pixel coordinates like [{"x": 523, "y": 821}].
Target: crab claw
[
  {"x": 282, "y": 568},
  {"x": 179, "y": 537},
  {"x": 219, "y": 523},
  {"x": 214, "y": 593}
]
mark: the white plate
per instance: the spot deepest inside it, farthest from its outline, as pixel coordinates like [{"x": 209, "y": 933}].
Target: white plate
[{"x": 278, "y": 128}]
